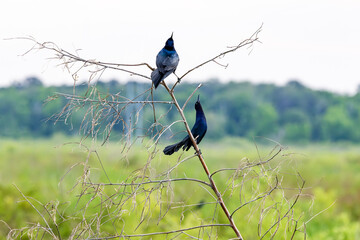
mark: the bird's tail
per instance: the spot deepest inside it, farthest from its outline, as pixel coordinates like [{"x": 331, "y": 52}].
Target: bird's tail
[
  {"x": 174, "y": 148},
  {"x": 156, "y": 77}
]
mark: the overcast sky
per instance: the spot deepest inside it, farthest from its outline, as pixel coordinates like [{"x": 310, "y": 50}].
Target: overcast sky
[{"x": 316, "y": 42}]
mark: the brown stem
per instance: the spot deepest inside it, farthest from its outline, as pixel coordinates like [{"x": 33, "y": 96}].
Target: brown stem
[
  {"x": 162, "y": 233},
  {"x": 202, "y": 161}
]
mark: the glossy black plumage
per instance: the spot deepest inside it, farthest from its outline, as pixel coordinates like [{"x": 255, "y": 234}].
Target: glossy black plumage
[{"x": 198, "y": 131}]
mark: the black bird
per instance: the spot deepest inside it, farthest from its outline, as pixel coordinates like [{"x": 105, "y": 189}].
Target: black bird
[
  {"x": 198, "y": 131},
  {"x": 166, "y": 62}
]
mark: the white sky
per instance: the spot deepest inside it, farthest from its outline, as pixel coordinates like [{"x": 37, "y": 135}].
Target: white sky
[{"x": 316, "y": 42}]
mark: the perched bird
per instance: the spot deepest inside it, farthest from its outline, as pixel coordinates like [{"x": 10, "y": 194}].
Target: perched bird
[
  {"x": 198, "y": 131},
  {"x": 166, "y": 62}
]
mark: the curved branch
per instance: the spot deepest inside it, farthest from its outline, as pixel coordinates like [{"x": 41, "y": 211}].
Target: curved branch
[
  {"x": 253, "y": 38},
  {"x": 85, "y": 99},
  {"x": 187, "y": 100},
  {"x": 248, "y": 166},
  {"x": 291, "y": 207},
  {"x": 260, "y": 197},
  {"x": 48, "y": 228},
  {"x": 63, "y": 54},
  {"x": 163, "y": 233},
  {"x": 128, "y": 65},
  {"x": 149, "y": 182}
]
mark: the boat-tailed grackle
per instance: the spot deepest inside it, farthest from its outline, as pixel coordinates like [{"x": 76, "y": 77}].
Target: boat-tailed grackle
[
  {"x": 198, "y": 131},
  {"x": 166, "y": 62}
]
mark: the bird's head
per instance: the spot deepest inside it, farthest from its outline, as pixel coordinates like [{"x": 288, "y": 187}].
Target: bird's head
[
  {"x": 169, "y": 45},
  {"x": 197, "y": 104}
]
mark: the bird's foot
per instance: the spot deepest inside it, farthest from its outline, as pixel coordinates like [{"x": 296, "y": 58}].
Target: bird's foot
[
  {"x": 198, "y": 153},
  {"x": 179, "y": 80}
]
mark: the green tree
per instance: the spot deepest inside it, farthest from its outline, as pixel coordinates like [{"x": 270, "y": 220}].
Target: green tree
[
  {"x": 296, "y": 125},
  {"x": 266, "y": 118},
  {"x": 337, "y": 125}
]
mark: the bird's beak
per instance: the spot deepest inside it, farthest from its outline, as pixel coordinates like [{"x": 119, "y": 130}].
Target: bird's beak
[
  {"x": 172, "y": 34},
  {"x": 198, "y": 98}
]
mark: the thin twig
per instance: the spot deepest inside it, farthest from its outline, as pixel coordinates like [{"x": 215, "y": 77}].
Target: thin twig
[
  {"x": 85, "y": 99},
  {"x": 42, "y": 216},
  {"x": 248, "y": 166},
  {"x": 260, "y": 197},
  {"x": 152, "y": 181},
  {"x": 163, "y": 233},
  {"x": 291, "y": 207},
  {"x": 187, "y": 100},
  {"x": 253, "y": 38}
]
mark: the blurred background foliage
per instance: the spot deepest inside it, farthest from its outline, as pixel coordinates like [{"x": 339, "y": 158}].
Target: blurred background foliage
[{"x": 290, "y": 113}]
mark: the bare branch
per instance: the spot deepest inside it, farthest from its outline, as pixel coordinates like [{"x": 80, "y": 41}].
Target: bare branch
[
  {"x": 85, "y": 100},
  {"x": 291, "y": 207},
  {"x": 187, "y": 100},
  {"x": 252, "y": 39},
  {"x": 213, "y": 186},
  {"x": 69, "y": 58},
  {"x": 249, "y": 165},
  {"x": 152, "y": 181},
  {"x": 48, "y": 229},
  {"x": 260, "y": 197},
  {"x": 164, "y": 233}
]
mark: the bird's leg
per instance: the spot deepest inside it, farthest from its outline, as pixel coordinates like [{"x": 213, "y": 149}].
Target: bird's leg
[
  {"x": 179, "y": 79},
  {"x": 198, "y": 153}
]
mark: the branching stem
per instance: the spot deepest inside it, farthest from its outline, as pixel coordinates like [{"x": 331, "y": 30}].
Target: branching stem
[{"x": 206, "y": 169}]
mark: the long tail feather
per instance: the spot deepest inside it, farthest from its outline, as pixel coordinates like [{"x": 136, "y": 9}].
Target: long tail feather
[
  {"x": 156, "y": 77},
  {"x": 175, "y": 147}
]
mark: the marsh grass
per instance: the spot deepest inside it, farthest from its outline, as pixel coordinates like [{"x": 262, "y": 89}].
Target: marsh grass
[{"x": 40, "y": 169}]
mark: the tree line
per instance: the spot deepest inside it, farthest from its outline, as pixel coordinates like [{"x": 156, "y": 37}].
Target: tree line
[{"x": 290, "y": 113}]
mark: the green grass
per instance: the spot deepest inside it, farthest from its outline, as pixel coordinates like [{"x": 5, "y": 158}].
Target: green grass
[{"x": 40, "y": 169}]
